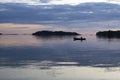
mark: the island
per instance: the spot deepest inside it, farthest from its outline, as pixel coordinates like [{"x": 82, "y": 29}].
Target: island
[
  {"x": 108, "y": 34},
  {"x": 0, "y": 33},
  {"x": 54, "y": 33}
]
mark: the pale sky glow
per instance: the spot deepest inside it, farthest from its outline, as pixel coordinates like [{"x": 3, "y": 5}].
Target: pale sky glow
[
  {"x": 11, "y": 28},
  {"x": 74, "y": 1},
  {"x": 21, "y": 28},
  {"x": 56, "y": 2}
]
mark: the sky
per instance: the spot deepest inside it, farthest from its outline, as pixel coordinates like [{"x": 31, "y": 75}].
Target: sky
[
  {"x": 55, "y": 2},
  {"x": 50, "y": 2},
  {"x": 28, "y": 16}
]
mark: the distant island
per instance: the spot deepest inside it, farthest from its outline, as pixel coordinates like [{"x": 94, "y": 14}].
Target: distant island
[
  {"x": 0, "y": 33},
  {"x": 108, "y": 34},
  {"x": 54, "y": 33}
]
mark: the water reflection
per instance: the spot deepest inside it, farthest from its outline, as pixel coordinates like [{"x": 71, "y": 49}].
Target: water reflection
[
  {"x": 21, "y": 51},
  {"x": 58, "y": 58},
  {"x": 58, "y": 73},
  {"x": 29, "y": 40},
  {"x": 58, "y": 37},
  {"x": 17, "y": 40},
  {"x": 112, "y": 39}
]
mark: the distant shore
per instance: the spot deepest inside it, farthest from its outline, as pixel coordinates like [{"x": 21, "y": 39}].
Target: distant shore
[
  {"x": 108, "y": 34},
  {"x": 54, "y": 33}
]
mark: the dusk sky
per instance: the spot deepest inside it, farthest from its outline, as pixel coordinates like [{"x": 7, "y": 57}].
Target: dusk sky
[
  {"x": 27, "y": 16},
  {"x": 56, "y": 2}
]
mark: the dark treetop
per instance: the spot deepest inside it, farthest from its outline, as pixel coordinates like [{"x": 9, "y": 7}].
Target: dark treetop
[
  {"x": 108, "y": 34},
  {"x": 54, "y": 33}
]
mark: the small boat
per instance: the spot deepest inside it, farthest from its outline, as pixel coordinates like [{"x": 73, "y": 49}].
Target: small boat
[{"x": 81, "y": 38}]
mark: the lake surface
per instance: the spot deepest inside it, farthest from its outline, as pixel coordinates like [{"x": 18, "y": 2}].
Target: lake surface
[{"x": 27, "y": 57}]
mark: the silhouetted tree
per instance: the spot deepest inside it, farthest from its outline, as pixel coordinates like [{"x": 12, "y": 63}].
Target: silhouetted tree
[
  {"x": 57, "y": 33},
  {"x": 108, "y": 34}
]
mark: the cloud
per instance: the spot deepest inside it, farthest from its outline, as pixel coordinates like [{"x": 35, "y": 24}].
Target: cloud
[
  {"x": 2, "y": 9},
  {"x": 87, "y": 16},
  {"x": 17, "y": 1},
  {"x": 44, "y": 1},
  {"x": 56, "y": 2},
  {"x": 20, "y": 13}
]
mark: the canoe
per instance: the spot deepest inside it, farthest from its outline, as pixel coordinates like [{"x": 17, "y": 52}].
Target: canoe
[{"x": 79, "y": 38}]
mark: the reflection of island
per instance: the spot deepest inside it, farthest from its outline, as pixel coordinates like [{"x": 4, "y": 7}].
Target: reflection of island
[
  {"x": 54, "y": 33},
  {"x": 108, "y": 34}
]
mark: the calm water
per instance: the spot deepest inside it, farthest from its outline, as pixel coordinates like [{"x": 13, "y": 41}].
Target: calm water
[{"x": 26, "y": 57}]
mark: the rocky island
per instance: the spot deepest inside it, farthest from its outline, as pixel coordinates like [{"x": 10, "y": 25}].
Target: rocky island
[
  {"x": 54, "y": 33},
  {"x": 108, "y": 34}
]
